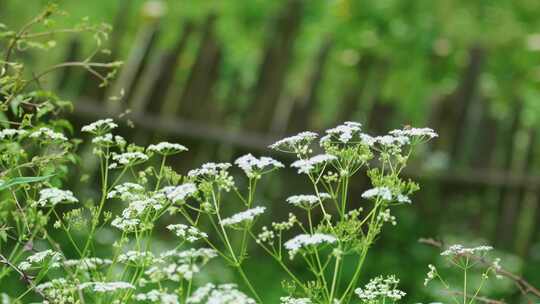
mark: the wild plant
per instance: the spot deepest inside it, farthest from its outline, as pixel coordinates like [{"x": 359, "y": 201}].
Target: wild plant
[{"x": 51, "y": 237}]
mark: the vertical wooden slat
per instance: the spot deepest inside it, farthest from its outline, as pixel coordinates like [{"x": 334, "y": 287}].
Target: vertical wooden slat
[
  {"x": 351, "y": 99},
  {"x": 272, "y": 75},
  {"x": 73, "y": 51},
  {"x": 199, "y": 86},
  {"x": 298, "y": 117},
  {"x": 90, "y": 86},
  {"x": 506, "y": 204},
  {"x": 134, "y": 65},
  {"x": 158, "y": 77}
]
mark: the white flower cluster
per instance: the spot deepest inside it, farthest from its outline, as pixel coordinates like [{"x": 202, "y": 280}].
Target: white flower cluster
[
  {"x": 380, "y": 288},
  {"x": 91, "y": 263},
  {"x": 209, "y": 170},
  {"x": 308, "y": 165},
  {"x": 57, "y": 290},
  {"x": 391, "y": 141},
  {"x": 99, "y": 127},
  {"x": 344, "y": 132},
  {"x": 296, "y": 144},
  {"x": 127, "y": 192},
  {"x": 41, "y": 257},
  {"x": 54, "y": 196},
  {"x": 415, "y": 132},
  {"x": 386, "y": 217},
  {"x": 243, "y": 216},
  {"x": 109, "y": 140},
  {"x": 291, "y": 300},
  {"x": 166, "y": 148},
  {"x": 179, "y": 193},
  {"x": 130, "y": 217},
  {"x": 156, "y": 296},
  {"x": 385, "y": 194},
  {"x": 301, "y": 241},
  {"x": 177, "y": 265},
  {"x": 127, "y": 159},
  {"x": 188, "y": 233},
  {"x": 253, "y": 166},
  {"x": 46, "y": 134},
  {"x": 10, "y": 134},
  {"x": 220, "y": 294},
  {"x": 103, "y": 287},
  {"x": 460, "y": 250},
  {"x": 307, "y": 201},
  {"x": 136, "y": 257},
  {"x": 430, "y": 275}
]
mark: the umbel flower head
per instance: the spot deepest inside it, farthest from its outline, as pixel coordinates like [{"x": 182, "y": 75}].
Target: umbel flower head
[
  {"x": 166, "y": 148},
  {"x": 379, "y": 289},
  {"x": 220, "y": 294},
  {"x": 52, "y": 196},
  {"x": 100, "y": 127},
  {"x": 255, "y": 167},
  {"x": 244, "y": 216},
  {"x": 304, "y": 241}
]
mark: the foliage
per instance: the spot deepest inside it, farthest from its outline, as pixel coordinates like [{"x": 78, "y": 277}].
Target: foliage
[{"x": 325, "y": 228}]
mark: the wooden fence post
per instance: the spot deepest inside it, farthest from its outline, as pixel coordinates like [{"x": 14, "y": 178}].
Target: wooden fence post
[{"x": 272, "y": 75}]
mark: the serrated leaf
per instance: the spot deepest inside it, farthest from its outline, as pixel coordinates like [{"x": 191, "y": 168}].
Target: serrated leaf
[{"x": 23, "y": 180}]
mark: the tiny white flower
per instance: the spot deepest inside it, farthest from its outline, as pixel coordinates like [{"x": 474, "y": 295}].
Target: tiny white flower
[
  {"x": 298, "y": 143},
  {"x": 10, "y": 134},
  {"x": 220, "y": 294},
  {"x": 54, "y": 196},
  {"x": 127, "y": 159},
  {"x": 46, "y": 134},
  {"x": 307, "y": 166},
  {"x": 166, "y": 148},
  {"x": 179, "y": 193},
  {"x": 253, "y": 166},
  {"x": 301, "y": 241},
  {"x": 460, "y": 250},
  {"x": 100, "y": 127},
  {"x": 103, "y": 287},
  {"x": 382, "y": 192},
  {"x": 307, "y": 201},
  {"x": 243, "y": 216},
  {"x": 380, "y": 288},
  {"x": 188, "y": 233}
]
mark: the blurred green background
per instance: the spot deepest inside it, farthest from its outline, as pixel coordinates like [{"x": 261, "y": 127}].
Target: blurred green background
[{"x": 227, "y": 77}]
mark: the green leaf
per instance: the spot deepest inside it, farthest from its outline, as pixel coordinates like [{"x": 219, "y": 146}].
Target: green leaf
[{"x": 22, "y": 180}]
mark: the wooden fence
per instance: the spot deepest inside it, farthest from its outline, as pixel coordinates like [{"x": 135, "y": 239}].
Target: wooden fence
[{"x": 484, "y": 157}]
